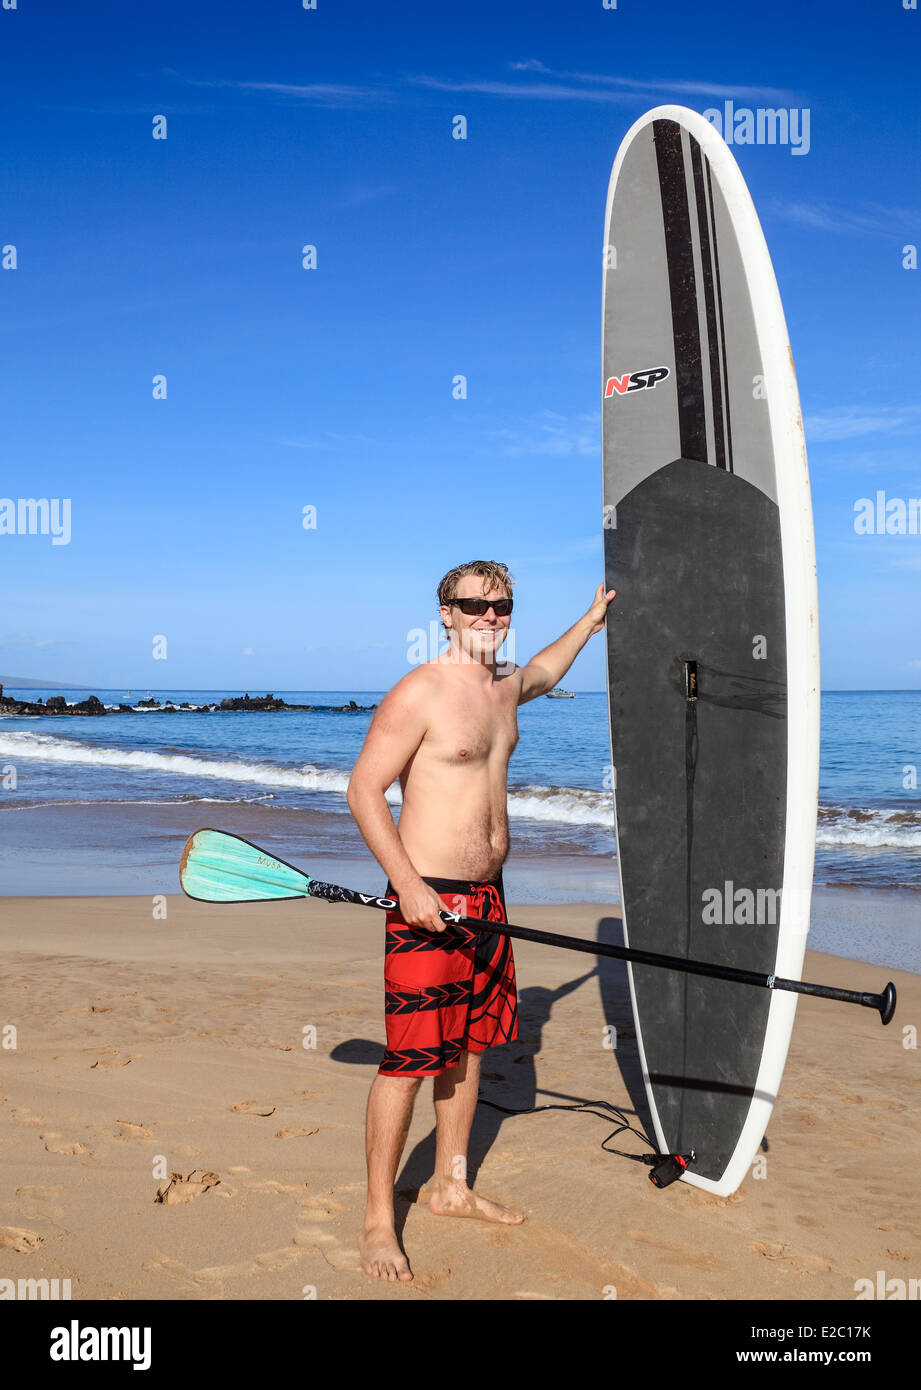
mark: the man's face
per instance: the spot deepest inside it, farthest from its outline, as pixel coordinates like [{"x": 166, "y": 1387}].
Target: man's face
[{"x": 479, "y": 637}]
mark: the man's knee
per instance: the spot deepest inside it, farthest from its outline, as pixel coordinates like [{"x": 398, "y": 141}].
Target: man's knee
[{"x": 407, "y": 1085}]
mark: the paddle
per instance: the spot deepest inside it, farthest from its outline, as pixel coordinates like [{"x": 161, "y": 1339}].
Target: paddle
[{"x": 217, "y": 867}]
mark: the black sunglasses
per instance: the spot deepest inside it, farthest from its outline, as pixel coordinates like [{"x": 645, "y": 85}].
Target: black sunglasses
[{"x": 476, "y": 607}]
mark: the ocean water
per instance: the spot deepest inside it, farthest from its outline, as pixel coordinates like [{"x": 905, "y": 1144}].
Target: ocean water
[{"x": 81, "y": 794}]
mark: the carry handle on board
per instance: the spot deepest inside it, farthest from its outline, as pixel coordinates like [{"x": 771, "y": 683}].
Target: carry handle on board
[{"x": 220, "y": 867}]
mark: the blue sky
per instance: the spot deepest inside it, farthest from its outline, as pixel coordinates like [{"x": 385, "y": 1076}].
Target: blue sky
[{"x": 332, "y": 387}]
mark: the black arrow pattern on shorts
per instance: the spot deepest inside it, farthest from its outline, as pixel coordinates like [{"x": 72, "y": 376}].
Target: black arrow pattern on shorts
[
  {"x": 428, "y": 997},
  {"x": 416, "y": 1058}
]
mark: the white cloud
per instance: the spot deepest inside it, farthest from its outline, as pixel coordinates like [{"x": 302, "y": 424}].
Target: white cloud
[
  {"x": 19, "y": 641},
  {"x": 669, "y": 84},
  {"x": 601, "y": 87},
  {"x": 317, "y": 93},
  {"x": 360, "y": 194},
  {"x": 849, "y": 219},
  {"x": 849, "y": 422},
  {"x": 540, "y": 91},
  {"x": 331, "y": 440},
  {"x": 551, "y": 433}
]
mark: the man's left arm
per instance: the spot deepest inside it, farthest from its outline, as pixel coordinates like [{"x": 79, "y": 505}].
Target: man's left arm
[{"x": 545, "y": 670}]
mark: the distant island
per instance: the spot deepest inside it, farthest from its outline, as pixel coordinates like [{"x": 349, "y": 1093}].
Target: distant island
[
  {"x": 27, "y": 683},
  {"x": 56, "y": 705}
]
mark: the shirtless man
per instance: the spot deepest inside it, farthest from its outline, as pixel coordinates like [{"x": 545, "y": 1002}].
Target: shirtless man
[{"x": 447, "y": 729}]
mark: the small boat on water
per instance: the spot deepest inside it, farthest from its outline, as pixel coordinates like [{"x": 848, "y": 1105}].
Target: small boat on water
[{"x": 560, "y": 694}]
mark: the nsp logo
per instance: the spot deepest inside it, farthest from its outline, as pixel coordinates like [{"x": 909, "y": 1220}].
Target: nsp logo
[{"x": 635, "y": 381}]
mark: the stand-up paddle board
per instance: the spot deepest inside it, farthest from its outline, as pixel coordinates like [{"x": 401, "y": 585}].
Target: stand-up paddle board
[{"x": 713, "y": 665}]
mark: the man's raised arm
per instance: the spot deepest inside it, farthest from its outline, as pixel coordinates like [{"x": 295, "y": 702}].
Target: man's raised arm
[{"x": 545, "y": 670}]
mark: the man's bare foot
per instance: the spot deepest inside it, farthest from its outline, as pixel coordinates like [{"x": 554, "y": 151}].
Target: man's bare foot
[
  {"x": 381, "y": 1256},
  {"x": 453, "y": 1198}
]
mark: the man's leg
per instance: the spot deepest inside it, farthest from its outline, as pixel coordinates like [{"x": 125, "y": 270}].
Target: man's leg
[
  {"x": 390, "y": 1108},
  {"x": 455, "y": 1102}
]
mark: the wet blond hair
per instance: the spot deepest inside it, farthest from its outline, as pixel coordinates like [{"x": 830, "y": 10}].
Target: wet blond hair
[{"x": 492, "y": 572}]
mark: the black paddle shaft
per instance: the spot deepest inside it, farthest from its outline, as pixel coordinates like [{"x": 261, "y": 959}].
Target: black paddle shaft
[{"x": 884, "y": 1002}]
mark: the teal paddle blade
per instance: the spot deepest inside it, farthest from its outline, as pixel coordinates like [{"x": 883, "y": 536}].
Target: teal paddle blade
[{"x": 221, "y": 868}]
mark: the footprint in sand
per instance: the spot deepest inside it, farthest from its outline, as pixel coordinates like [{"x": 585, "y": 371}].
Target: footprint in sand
[
  {"x": 345, "y": 1258},
  {"x": 317, "y": 1208},
  {"x": 311, "y": 1230},
  {"x": 311, "y": 1235},
  {"x": 180, "y": 1189},
  {"x": 676, "y": 1252},
  {"x": 37, "y": 1203},
  {"x": 54, "y": 1144},
  {"x": 798, "y": 1260},
  {"x": 252, "y": 1107},
  {"x": 107, "y": 1063},
  {"x": 130, "y": 1129},
  {"x": 209, "y": 1282},
  {"x": 24, "y": 1116},
  {"x": 22, "y": 1241},
  {"x": 266, "y": 1263},
  {"x": 296, "y": 1132},
  {"x": 312, "y": 1212}
]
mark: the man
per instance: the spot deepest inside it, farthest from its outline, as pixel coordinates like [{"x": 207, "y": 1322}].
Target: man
[{"x": 447, "y": 730}]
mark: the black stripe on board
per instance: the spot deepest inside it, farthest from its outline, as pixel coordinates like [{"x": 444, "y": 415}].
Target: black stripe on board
[
  {"x": 682, "y": 286},
  {"x": 717, "y": 386},
  {"x": 719, "y": 303}
]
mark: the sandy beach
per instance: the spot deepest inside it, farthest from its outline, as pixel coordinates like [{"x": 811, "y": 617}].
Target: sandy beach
[{"x": 146, "y": 1047}]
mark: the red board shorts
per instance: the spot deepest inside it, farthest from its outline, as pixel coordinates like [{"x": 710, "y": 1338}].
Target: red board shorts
[{"x": 451, "y": 991}]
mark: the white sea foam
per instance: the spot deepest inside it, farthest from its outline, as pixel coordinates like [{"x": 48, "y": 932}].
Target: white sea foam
[
  {"x": 867, "y": 828},
  {"x": 188, "y": 709},
  {"x": 852, "y": 826},
  {"x": 571, "y": 805},
  {"x": 47, "y": 748}
]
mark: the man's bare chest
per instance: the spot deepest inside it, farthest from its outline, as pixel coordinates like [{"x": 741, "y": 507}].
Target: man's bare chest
[{"x": 473, "y": 730}]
